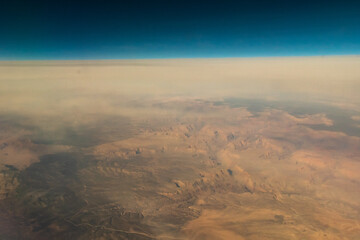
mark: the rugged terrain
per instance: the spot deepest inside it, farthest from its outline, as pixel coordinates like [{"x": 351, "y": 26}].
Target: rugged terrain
[{"x": 196, "y": 169}]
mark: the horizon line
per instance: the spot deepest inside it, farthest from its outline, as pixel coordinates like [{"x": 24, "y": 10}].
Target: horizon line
[{"x": 178, "y": 58}]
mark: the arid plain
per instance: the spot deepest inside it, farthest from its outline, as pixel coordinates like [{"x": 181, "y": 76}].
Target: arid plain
[{"x": 258, "y": 148}]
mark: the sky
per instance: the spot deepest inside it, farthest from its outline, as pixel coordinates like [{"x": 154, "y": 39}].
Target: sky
[{"x": 140, "y": 29}]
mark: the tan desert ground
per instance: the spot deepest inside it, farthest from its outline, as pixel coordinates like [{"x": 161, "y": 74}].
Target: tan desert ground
[{"x": 243, "y": 148}]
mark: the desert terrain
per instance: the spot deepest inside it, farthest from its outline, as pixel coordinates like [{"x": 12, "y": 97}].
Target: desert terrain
[{"x": 157, "y": 150}]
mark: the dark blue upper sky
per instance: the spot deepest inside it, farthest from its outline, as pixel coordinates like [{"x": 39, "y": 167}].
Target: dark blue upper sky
[{"x": 90, "y": 29}]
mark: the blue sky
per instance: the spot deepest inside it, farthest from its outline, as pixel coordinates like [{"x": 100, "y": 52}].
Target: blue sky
[{"x": 176, "y": 29}]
